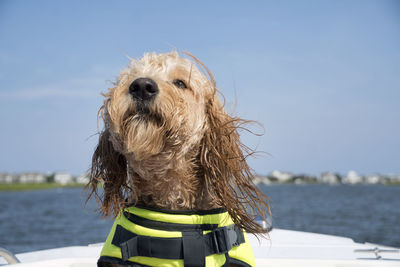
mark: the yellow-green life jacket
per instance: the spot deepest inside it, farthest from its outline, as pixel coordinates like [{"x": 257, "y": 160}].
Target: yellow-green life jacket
[{"x": 152, "y": 237}]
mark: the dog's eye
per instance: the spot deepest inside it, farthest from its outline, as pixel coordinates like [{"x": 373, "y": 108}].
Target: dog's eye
[{"x": 179, "y": 84}]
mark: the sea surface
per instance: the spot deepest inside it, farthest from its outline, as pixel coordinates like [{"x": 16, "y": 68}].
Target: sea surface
[{"x": 52, "y": 218}]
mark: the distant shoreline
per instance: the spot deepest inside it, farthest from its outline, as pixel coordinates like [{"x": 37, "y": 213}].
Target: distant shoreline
[
  {"x": 27, "y": 181},
  {"x": 21, "y": 187},
  {"x": 36, "y": 186}
]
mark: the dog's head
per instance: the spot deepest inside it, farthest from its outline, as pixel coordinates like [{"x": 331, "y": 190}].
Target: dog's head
[
  {"x": 162, "y": 113},
  {"x": 158, "y": 105}
]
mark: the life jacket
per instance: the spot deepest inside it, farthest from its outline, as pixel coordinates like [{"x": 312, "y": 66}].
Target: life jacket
[{"x": 151, "y": 237}]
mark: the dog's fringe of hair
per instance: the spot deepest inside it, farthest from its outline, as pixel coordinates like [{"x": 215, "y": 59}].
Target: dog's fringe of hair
[
  {"x": 111, "y": 177},
  {"x": 223, "y": 158}
]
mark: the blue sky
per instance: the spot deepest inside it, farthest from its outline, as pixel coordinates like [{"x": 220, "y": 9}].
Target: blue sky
[{"x": 323, "y": 77}]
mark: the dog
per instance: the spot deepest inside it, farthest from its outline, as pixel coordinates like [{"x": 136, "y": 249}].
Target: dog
[{"x": 171, "y": 161}]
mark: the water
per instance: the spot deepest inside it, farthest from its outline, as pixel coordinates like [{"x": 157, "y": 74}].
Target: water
[
  {"x": 56, "y": 218},
  {"x": 365, "y": 213},
  {"x": 47, "y": 219}
]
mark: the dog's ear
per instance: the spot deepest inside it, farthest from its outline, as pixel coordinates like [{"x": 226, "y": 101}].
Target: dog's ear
[
  {"x": 108, "y": 169},
  {"x": 226, "y": 171}
]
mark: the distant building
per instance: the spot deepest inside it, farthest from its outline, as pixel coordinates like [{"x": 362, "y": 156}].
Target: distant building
[
  {"x": 304, "y": 179},
  {"x": 6, "y": 178},
  {"x": 258, "y": 179},
  {"x": 352, "y": 178},
  {"x": 329, "y": 178},
  {"x": 83, "y": 179},
  {"x": 299, "y": 181},
  {"x": 63, "y": 178},
  {"x": 31, "y": 177},
  {"x": 373, "y": 179},
  {"x": 282, "y": 177}
]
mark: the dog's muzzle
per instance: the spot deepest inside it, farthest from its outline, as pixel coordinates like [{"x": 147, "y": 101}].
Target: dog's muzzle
[{"x": 143, "y": 89}]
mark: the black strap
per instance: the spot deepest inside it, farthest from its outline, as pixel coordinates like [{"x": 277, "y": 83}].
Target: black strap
[
  {"x": 181, "y": 212},
  {"x": 167, "y": 226},
  {"x": 194, "y": 252},
  {"x": 193, "y": 247},
  {"x": 138, "y": 245}
]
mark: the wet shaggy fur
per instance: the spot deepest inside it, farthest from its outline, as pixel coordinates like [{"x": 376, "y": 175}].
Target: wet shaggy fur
[{"x": 179, "y": 151}]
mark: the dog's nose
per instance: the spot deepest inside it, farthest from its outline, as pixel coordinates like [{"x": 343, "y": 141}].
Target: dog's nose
[{"x": 143, "y": 89}]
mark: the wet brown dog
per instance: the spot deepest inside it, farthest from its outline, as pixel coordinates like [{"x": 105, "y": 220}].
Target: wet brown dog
[{"x": 168, "y": 143}]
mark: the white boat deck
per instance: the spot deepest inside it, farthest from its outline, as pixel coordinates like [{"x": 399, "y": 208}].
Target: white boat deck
[{"x": 285, "y": 248}]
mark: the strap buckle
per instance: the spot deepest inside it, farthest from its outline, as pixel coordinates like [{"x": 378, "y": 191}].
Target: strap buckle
[
  {"x": 224, "y": 239},
  {"x": 127, "y": 247},
  {"x": 137, "y": 246}
]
